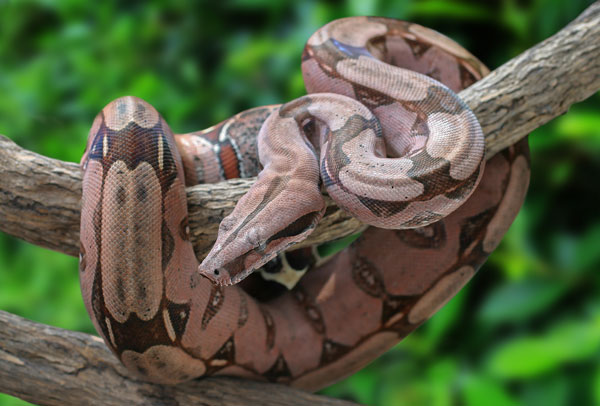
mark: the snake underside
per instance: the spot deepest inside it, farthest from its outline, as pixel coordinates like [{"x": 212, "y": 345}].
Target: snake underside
[{"x": 381, "y": 130}]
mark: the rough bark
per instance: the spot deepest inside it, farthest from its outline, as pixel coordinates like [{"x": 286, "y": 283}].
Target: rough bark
[
  {"x": 51, "y": 366},
  {"x": 540, "y": 84},
  {"x": 40, "y": 198}
]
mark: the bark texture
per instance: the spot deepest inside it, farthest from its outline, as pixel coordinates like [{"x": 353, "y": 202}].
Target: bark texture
[{"x": 51, "y": 366}]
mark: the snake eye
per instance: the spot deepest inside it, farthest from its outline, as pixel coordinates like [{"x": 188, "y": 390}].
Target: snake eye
[{"x": 216, "y": 272}]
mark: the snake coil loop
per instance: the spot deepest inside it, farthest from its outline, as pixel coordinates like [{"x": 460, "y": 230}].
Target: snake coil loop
[{"x": 388, "y": 141}]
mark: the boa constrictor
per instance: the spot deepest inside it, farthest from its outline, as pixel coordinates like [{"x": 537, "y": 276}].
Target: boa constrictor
[{"x": 166, "y": 321}]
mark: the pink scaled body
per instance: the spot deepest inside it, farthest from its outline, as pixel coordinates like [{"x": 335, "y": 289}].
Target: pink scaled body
[{"x": 395, "y": 147}]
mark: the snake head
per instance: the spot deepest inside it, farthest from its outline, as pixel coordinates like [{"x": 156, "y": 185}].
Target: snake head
[
  {"x": 234, "y": 257},
  {"x": 232, "y": 272},
  {"x": 280, "y": 209},
  {"x": 241, "y": 248},
  {"x": 262, "y": 224}
]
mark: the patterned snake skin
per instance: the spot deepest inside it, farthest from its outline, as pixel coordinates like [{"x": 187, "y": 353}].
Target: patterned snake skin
[{"x": 394, "y": 147}]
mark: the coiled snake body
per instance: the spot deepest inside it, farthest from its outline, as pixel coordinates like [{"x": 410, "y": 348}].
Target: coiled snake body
[{"x": 394, "y": 147}]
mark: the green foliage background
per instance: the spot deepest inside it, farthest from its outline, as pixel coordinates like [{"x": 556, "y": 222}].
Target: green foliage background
[{"x": 525, "y": 331}]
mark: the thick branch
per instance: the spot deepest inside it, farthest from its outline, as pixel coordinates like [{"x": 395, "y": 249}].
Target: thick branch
[
  {"x": 540, "y": 84},
  {"x": 50, "y": 366},
  {"x": 39, "y": 196}
]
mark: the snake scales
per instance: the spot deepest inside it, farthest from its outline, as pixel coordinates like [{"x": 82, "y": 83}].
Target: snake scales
[{"x": 393, "y": 146}]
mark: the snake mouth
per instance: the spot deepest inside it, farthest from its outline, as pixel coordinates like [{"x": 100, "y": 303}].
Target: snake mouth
[
  {"x": 224, "y": 279},
  {"x": 218, "y": 276},
  {"x": 221, "y": 276}
]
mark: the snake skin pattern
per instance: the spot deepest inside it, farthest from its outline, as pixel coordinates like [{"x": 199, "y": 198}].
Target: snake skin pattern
[{"x": 396, "y": 148}]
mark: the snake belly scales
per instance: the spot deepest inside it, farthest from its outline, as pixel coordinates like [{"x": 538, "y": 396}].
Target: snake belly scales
[{"x": 389, "y": 142}]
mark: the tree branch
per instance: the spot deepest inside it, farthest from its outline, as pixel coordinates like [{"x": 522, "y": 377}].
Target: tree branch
[
  {"x": 540, "y": 84},
  {"x": 51, "y": 366},
  {"x": 40, "y": 196}
]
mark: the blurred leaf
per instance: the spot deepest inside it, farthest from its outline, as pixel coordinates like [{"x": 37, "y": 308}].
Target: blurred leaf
[
  {"x": 514, "y": 18},
  {"x": 363, "y": 7},
  {"x": 553, "y": 14},
  {"x": 582, "y": 125},
  {"x": 524, "y": 358},
  {"x": 551, "y": 392},
  {"x": 450, "y": 9},
  {"x": 439, "y": 378},
  {"x": 519, "y": 301},
  {"x": 596, "y": 385},
  {"x": 359, "y": 388},
  {"x": 580, "y": 129},
  {"x": 445, "y": 319},
  {"x": 531, "y": 356},
  {"x": 6, "y": 400},
  {"x": 480, "y": 390},
  {"x": 587, "y": 252}
]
